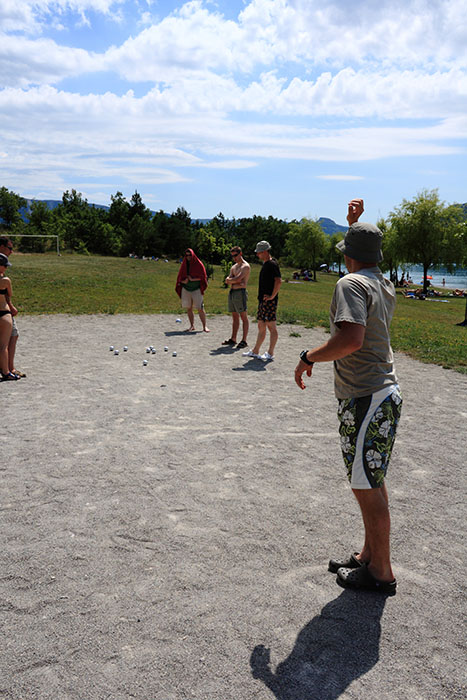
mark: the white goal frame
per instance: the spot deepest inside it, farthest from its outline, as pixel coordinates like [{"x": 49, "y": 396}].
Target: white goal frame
[{"x": 41, "y": 235}]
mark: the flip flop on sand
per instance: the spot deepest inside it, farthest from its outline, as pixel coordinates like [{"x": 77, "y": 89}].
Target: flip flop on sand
[
  {"x": 230, "y": 341},
  {"x": 361, "y": 579},
  {"x": 351, "y": 563}
]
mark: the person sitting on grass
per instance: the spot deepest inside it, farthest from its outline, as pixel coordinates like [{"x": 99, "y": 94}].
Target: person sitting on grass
[{"x": 6, "y": 322}]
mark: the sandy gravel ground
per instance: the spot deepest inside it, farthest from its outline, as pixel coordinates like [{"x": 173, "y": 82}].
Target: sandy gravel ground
[{"x": 166, "y": 529}]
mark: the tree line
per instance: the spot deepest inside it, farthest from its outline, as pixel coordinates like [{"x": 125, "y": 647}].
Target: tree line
[{"x": 422, "y": 231}]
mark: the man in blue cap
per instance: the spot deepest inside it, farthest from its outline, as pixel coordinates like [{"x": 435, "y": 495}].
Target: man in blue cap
[{"x": 369, "y": 399}]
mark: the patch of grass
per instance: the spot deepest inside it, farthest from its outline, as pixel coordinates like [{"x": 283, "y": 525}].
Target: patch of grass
[
  {"x": 294, "y": 334},
  {"x": 76, "y": 284}
]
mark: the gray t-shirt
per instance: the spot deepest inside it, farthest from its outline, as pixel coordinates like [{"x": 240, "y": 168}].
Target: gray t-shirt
[{"x": 367, "y": 298}]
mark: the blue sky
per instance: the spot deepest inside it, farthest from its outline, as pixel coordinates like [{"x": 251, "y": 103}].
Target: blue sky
[{"x": 281, "y": 107}]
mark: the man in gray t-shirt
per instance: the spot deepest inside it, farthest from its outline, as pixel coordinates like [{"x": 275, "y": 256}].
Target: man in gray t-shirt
[{"x": 369, "y": 400}]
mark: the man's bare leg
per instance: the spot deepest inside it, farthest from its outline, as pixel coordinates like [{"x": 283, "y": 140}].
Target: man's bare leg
[
  {"x": 376, "y": 550},
  {"x": 202, "y": 315},
  {"x": 235, "y": 325},
  {"x": 260, "y": 337},
  {"x": 245, "y": 324},
  {"x": 191, "y": 318},
  {"x": 273, "y": 336}
]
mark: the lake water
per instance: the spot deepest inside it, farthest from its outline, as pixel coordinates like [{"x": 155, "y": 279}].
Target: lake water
[{"x": 456, "y": 281}]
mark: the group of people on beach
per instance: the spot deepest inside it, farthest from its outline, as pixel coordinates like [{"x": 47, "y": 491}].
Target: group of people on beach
[
  {"x": 365, "y": 383},
  {"x": 8, "y": 327}
]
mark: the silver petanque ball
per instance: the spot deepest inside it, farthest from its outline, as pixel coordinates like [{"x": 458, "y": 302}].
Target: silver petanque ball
[
  {"x": 125, "y": 348},
  {"x": 145, "y": 362},
  {"x": 174, "y": 354},
  {"x": 166, "y": 349},
  {"x": 115, "y": 352},
  {"x": 111, "y": 348},
  {"x": 178, "y": 320},
  {"x": 153, "y": 351},
  {"x": 148, "y": 349}
]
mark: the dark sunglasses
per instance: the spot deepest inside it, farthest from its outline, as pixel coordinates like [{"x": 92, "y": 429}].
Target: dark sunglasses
[
  {"x": 10, "y": 247},
  {"x": 234, "y": 255}
]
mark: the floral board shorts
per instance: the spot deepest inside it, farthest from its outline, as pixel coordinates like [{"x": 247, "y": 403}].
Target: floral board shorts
[
  {"x": 368, "y": 429},
  {"x": 267, "y": 310}
]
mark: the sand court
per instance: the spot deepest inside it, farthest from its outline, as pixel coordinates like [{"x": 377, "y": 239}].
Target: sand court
[{"x": 166, "y": 528}]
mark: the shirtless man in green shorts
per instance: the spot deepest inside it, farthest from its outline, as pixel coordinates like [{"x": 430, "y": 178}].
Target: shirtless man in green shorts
[{"x": 238, "y": 297}]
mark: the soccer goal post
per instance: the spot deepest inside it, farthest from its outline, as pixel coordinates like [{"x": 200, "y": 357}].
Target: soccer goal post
[{"x": 42, "y": 235}]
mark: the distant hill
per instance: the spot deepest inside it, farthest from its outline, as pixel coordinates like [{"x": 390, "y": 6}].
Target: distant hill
[{"x": 330, "y": 227}]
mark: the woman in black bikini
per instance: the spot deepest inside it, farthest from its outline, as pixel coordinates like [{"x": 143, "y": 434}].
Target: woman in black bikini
[{"x": 6, "y": 322}]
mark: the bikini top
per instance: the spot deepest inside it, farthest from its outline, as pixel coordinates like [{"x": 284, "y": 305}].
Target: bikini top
[{"x": 4, "y": 291}]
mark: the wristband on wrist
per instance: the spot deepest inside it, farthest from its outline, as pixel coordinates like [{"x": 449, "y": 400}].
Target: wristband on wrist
[{"x": 304, "y": 358}]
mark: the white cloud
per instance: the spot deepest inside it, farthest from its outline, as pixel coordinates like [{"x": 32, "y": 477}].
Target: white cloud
[
  {"x": 111, "y": 136},
  {"x": 229, "y": 164},
  {"x": 267, "y": 34},
  {"x": 339, "y": 177},
  {"x": 286, "y": 79},
  {"x": 32, "y": 16},
  {"x": 42, "y": 61}
]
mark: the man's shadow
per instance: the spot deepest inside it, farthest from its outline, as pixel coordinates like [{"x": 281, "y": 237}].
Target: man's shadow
[
  {"x": 252, "y": 365},
  {"x": 172, "y": 333},
  {"x": 332, "y": 650},
  {"x": 224, "y": 350}
]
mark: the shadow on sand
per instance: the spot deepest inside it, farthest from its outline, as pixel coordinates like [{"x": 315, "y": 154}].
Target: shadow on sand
[
  {"x": 252, "y": 365},
  {"x": 332, "y": 650},
  {"x": 172, "y": 333},
  {"x": 224, "y": 350}
]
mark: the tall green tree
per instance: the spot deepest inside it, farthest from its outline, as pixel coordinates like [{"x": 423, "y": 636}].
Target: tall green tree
[
  {"x": 390, "y": 247},
  {"x": 332, "y": 255},
  {"x": 306, "y": 243},
  {"x": 119, "y": 213},
  {"x": 160, "y": 233},
  {"x": 10, "y": 205},
  {"x": 77, "y": 222},
  {"x": 427, "y": 231},
  {"x": 463, "y": 243},
  {"x": 40, "y": 223},
  {"x": 209, "y": 248},
  {"x": 138, "y": 208},
  {"x": 138, "y": 235},
  {"x": 179, "y": 232}
]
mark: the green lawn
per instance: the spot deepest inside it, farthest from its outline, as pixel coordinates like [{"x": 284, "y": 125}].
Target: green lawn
[{"x": 75, "y": 284}]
